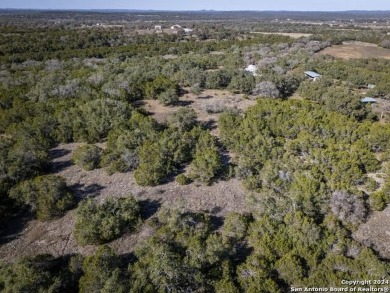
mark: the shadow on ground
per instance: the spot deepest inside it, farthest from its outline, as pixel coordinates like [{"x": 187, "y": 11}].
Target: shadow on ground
[
  {"x": 184, "y": 103},
  {"x": 59, "y": 166},
  {"x": 149, "y": 208},
  {"x": 56, "y": 167},
  {"x": 81, "y": 191},
  {"x": 210, "y": 124},
  {"x": 58, "y": 153},
  {"x": 12, "y": 227},
  {"x": 207, "y": 97}
]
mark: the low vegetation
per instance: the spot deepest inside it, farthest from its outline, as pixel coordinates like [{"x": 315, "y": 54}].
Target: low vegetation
[
  {"x": 87, "y": 157},
  {"x": 47, "y": 196},
  {"x": 101, "y": 223}
]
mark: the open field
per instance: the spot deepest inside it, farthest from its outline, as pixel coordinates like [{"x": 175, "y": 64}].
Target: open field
[
  {"x": 349, "y": 50},
  {"x": 292, "y": 35}
]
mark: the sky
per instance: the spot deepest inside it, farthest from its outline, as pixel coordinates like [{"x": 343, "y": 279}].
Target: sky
[{"x": 301, "y": 5}]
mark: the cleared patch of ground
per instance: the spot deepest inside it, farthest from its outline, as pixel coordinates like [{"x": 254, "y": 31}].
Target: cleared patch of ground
[
  {"x": 203, "y": 104},
  {"x": 376, "y": 233},
  {"x": 296, "y": 96},
  {"x": 349, "y": 50},
  {"x": 170, "y": 56},
  {"x": 292, "y": 35},
  {"x": 56, "y": 237}
]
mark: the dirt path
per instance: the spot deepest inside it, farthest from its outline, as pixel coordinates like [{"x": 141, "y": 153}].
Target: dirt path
[{"x": 56, "y": 237}]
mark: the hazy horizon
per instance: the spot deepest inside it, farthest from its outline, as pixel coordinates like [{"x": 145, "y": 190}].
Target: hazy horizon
[
  {"x": 217, "y": 5},
  {"x": 183, "y": 10}
]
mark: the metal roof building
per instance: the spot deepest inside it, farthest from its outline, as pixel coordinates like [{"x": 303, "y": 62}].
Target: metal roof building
[
  {"x": 312, "y": 74},
  {"x": 368, "y": 100}
]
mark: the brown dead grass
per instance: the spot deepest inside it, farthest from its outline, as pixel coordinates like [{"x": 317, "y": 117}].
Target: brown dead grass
[{"x": 349, "y": 50}]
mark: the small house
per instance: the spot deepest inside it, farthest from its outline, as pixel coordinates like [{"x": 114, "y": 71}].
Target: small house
[
  {"x": 187, "y": 30},
  {"x": 158, "y": 27},
  {"x": 313, "y": 75},
  {"x": 368, "y": 100}
]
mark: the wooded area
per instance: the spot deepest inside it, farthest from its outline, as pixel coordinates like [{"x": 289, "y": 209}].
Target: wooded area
[{"x": 313, "y": 159}]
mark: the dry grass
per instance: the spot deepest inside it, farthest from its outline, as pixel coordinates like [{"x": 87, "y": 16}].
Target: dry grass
[
  {"x": 349, "y": 50},
  {"x": 291, "y": 35}
]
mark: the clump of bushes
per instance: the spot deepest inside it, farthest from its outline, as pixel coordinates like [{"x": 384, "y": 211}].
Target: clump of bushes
[
  {"x": 101, "y": 223},
  {"x": 169, "y": 97},
  {"x": 235, "y": 227},
  {"x": 47, "y": 196},
  {"x": 182, "y": 179},
  {"x": 207, "y": 163},
  {"x": 196, "y": 89},
  {"x": 184, "y": 119},
  {"x": 379, "y": 200},
  {"x": 87, "y": 157}
]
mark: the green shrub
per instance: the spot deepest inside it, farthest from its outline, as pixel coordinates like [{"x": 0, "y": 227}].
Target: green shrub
[
  {"x": 87, "y": 157},
  {"x": 242, "y": 83},
  {"x": 371, "y": 184},
  {"x": 159, "y": 85},
  {"x": 39, "y": 273},
  {"x": 183, "y": 119},
  {"x": 169, "y": 97},
  {"x": 379, "y": 200},
  {"x": 47, "y": 196},
  {"x": 102, "y": 273},
  {"x": 196, "y": 89},
  {"x": 235, "y": 227},
  {"x": 153, "y": 167},
  {"x": 91, "y": 121},
  {"x": 97, "y": 224},
  {"x": 207, "y": 161},
  {"x": 182, "y": 179}
]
